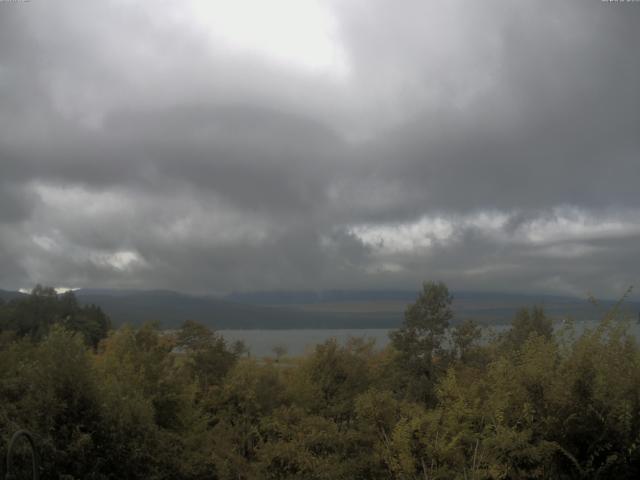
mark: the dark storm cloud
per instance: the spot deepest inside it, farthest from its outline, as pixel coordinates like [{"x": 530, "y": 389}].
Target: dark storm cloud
[
  {"x": 558, "y": 124},
  {"x": 16, "y": 203},
  {"x": 457, "y": 141}
]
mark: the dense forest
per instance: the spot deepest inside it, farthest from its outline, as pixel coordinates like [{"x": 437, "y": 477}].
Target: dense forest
[{"x": 443, "y": 401}]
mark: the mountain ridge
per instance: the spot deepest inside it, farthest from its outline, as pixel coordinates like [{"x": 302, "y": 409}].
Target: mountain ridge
[{"x": 330, "y": 309}]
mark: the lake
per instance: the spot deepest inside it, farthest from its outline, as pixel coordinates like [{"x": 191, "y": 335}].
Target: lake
[{"x": 300, "y": 341}]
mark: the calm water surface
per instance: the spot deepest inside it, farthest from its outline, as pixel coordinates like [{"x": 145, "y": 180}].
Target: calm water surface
[{"x": 297, "y": 342}]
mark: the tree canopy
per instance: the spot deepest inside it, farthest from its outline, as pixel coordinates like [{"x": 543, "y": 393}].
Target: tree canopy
[{"x": 440, "y": 402}]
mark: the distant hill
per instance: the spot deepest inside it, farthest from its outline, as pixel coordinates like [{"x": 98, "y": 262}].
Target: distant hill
[
  {"x": 332, "y": 309},
  {"x": 293, "y": 297},
  {"x": 172, "y": 308},
  {"x": 323, "y": 309},
  {"x": 484, "y": 307},
  {"x": 7, "y": 295}
]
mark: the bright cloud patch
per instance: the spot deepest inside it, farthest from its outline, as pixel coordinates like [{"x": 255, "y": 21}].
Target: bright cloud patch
[
  {"x": 295, "y": 32},
  {"x": 561, "y": 232},
  {"x": 59, "y": 290},
  {"x": 567, "y": 223},
  {"x": 404, "y": 237},
  {"x": 428, "y": 231},
  {"x": 121, "y": 261}
]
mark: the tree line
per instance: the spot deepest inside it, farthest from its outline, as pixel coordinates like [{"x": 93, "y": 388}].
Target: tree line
[{"x": 442, "y": 401}]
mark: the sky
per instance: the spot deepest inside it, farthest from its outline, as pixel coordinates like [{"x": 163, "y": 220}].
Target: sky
[{"x": 216, "y": 146}]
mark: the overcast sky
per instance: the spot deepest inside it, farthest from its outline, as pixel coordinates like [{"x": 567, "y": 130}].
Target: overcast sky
[{"x": 212, "y": 146}]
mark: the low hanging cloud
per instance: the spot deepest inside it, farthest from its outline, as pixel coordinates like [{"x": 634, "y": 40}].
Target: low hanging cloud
[{"x": 325, "y": 145}]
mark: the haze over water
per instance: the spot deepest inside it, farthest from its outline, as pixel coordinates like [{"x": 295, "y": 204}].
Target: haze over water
[{"x": 298, "y": 342}]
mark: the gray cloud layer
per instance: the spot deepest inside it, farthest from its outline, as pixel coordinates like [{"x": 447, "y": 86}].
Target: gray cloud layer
[{"x": 492, "y": 145}]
